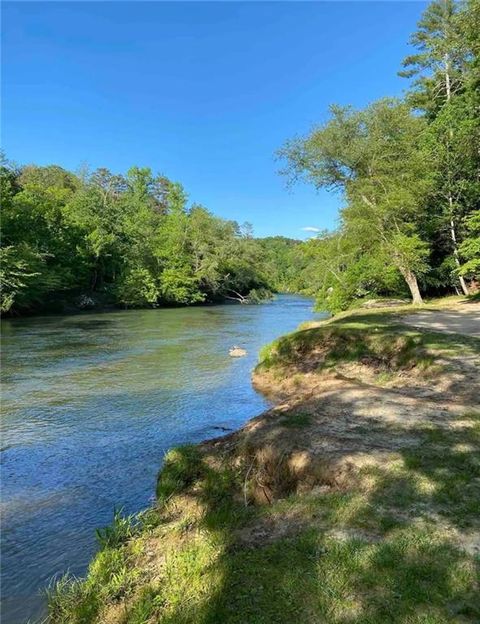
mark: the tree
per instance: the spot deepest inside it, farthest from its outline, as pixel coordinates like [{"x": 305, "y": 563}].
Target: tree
[
  {"x": 19, "y": 267},
  {"x": 470, "y": 248},
  {"x": 439, "y": 65},
  {"x": 373, "y": 157},
  {"x": 36, "y": 231},
  {"x": 447, "y": 44},
  {"x": 128, "y": 239}
]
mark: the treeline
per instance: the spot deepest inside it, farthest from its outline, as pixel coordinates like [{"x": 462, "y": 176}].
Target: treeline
[
  {"x": 409, "y": 173},
  {"x": 408, "y": 170},
  {"x": 77, "y": 241}
]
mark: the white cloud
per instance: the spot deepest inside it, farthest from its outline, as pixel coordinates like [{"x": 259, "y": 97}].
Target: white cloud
[{"x": 309, "y": 228}]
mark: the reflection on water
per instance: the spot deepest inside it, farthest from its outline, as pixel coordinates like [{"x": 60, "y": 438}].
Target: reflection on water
[{"x": 90, "y": 405}]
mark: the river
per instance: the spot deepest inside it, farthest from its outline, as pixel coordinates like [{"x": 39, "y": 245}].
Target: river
[{"x": 92, "y": 402}]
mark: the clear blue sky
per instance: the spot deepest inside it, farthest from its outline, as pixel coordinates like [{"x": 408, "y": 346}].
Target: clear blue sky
[{"x": 202, "y": 92}]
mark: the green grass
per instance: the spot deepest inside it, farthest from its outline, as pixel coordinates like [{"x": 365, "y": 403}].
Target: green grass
[
  {"x": 111, "y": 576},
  {"x": 181, "y": 467},
  {"x": 368, "y": 336},
  {"x": 388, "y": 348},
  {"x": 120, "y": 531},
  {"x": 381, "y": 552}
]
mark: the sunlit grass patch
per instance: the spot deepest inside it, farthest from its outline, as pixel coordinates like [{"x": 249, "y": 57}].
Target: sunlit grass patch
[
  {"x": 413, "y": 576},
  {"x": 119, "y": 531},
  {"x": 111, "y": 576},
  {"x": 72, "y": 601}
]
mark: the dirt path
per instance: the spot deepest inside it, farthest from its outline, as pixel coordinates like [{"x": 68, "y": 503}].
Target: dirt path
[{"x": 463, "y": 319}]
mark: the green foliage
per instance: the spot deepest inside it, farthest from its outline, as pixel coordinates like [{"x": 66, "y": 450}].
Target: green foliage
[
  {"x": 259, "y": 295},
  {"x": 385, "y": 196},
  {"x": 411, "y": 251},
  {"x": 179, "y": 285},
  {"x": 132, "y": 240},
  {"x": 138, "y": 288},
  {"x": 19, "y": 266},
  {"x": 470, "y": 247},
  {"x": 440, "y": 47},
  {"x": 410, "y": 181},
  {"x": 446, "y": 89},
  {"x": 283, "y": 261}
]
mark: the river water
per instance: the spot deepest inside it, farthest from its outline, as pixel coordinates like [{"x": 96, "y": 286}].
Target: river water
[{"x": 90, "y": 405}]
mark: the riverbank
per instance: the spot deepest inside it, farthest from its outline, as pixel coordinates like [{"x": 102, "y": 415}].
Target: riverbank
[
  {"x": 94, "y": 303},
  {"x": 134, "y": 383},
  {"x": 354, "y": 499}
]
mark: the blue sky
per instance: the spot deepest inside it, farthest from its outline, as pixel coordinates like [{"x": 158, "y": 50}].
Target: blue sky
[{"x": 202, "y": 92}]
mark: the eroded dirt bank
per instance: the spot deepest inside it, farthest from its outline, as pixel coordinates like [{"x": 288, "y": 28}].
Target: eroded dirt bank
[{"x": 362, "y": 406}]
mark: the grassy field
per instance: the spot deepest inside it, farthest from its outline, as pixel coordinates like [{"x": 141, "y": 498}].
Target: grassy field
[{"x": 394, "y": 541}]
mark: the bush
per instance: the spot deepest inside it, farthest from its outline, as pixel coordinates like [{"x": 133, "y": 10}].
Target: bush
[{"x": 138, "y": 289}]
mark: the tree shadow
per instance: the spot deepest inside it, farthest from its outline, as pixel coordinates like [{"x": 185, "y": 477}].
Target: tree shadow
[{"x": 382, "y": 548}]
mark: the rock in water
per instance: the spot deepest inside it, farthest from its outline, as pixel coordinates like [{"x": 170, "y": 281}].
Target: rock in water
[{"x": 237, "y": 352}]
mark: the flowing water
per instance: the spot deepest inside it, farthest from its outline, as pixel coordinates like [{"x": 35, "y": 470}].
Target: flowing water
[{"x": 90, "y": 405}]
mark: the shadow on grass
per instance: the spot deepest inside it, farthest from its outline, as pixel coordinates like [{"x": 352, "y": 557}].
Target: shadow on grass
[
  {"x": 386, "y": 348},
  {"x": 377, "y": 554}
]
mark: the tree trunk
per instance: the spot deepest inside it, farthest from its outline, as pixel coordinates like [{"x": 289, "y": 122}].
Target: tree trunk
[
  {"x": 412, "y": 284},
  {"x": 448, "y": 89},
  {"x": 463, "y": 284},
  {"x": 93, "y": 281}
]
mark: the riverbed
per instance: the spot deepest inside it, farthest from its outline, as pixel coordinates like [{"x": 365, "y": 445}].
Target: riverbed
[{"x": 92, "y": 402}]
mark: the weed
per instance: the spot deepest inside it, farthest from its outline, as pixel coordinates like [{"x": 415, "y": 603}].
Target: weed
[
  {"x": 122, "y": 529},
  {"x": 71, "y": 601}
]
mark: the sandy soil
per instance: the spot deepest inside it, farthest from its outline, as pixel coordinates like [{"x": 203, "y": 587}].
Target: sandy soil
[{"x": 463, "y": 319}]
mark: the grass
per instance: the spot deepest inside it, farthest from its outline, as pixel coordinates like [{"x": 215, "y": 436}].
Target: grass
[
  {"x": 111, "y": 574},
  {"x": 381, "y": 552},
  {"x": 387, "y": 349},
  {"x": 120, "y": 531},
  {"x": 373, "y": 337},
  {"x": 182, "y": 466}
]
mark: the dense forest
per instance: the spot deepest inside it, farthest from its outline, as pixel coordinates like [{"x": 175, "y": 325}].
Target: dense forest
[
  {"x": 78, "y": 241},
  {"x": 408, "y": 171}
]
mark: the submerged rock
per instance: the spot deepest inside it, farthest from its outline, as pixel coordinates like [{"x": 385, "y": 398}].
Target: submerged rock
[{"x": 237, "y": 352}]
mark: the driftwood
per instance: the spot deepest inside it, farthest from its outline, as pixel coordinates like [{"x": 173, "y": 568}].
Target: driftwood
[{"x": 238, "y": 297}]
